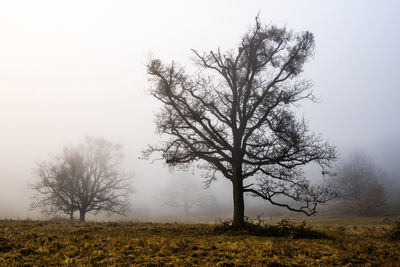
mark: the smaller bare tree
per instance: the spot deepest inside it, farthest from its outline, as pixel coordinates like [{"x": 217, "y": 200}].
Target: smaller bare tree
[
  {"x": 184, "y": 193},
  {"x": 371, "y": 200},
  {"x": 83, "y": 178},
  {"x": 358, "y": 183}
]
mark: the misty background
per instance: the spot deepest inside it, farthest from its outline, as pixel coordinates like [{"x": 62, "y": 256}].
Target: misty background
[{"x": 77, "y": 68}]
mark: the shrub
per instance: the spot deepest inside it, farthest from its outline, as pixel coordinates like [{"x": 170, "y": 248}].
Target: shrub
[
  {"x": 394, "y": 231},
  {"x": 285, "y": 228}
]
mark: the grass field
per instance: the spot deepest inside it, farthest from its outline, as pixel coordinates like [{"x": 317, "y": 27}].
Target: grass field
[{"x": 44, "y": 243}]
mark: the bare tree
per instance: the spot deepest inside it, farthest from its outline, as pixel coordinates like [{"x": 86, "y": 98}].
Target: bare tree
[
  {"x": 371, "y": 200},
  {"x": 83, "y": 178},
  {"x": 235, "y": 116},
  {"x": 184, "y": 193},
  {"x": 358, "y": 183}
]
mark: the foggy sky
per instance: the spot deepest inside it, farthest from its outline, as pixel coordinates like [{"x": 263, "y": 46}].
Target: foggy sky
[{"x": 75, "y": 68}]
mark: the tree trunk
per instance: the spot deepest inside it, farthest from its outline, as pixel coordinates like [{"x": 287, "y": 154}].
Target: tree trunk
[
  {"x": 82, "y": 215},
  {"x": 238, "y": 203},
  {"x": 186, "y": 206},
  {"x": 71, "y": 215}
]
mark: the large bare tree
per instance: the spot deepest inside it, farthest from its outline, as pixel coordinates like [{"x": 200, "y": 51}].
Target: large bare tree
[
  {"x": 83, "y": 178},
  {"x": 236, "y": 116}
]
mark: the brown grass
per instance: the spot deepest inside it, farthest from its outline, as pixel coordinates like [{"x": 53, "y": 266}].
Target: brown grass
[{"x": 61, "y": 243}]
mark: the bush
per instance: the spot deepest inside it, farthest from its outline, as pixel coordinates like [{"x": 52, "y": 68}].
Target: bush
[
  {"x": 285, "y": 228},
  {"x": 394, "y": 231}
]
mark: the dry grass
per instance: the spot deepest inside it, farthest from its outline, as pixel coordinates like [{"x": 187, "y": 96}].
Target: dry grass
[{"x": 44, "y": 243}]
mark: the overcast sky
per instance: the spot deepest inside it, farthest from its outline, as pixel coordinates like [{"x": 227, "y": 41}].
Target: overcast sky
[{"x": 74, "y": 68}]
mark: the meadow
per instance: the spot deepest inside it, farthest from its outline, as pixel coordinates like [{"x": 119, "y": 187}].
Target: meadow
[{"x": 61, "y": 243}]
